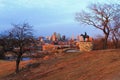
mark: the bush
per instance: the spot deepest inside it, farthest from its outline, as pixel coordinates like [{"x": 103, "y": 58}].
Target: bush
[
  {"x": 33, "y": 65},
  {"x": 2, "y": 55}
]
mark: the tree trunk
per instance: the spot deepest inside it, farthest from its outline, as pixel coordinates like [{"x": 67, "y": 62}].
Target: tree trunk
[
  {"x": 2, "y": 55},
  {"x": 115, "y": 42},
  {"x": 18, "y": 62},
  {"x": 106, "y": 33},
  {"x": 105, "y": 41}
]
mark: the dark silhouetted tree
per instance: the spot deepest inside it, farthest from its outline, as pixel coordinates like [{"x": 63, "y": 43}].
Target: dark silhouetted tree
[
  {"x": 101, "y": 16},
  {"x": 22, "y": 38},
  {"x": 115, "y": 36},
  {"x": 5, "y": 44},
  {"x": 115, "y": 27}
]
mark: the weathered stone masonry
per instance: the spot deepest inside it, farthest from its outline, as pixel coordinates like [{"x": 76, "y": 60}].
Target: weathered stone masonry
[{"x": 86, "y": 46}]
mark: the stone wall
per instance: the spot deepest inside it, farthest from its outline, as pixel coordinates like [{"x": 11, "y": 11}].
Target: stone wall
[
  {"x": 48, "y": 47},
  {"x": 86, "y": 46}
]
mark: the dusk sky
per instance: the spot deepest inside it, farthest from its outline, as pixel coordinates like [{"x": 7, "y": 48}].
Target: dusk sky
[{"x": 47, "y": 16}]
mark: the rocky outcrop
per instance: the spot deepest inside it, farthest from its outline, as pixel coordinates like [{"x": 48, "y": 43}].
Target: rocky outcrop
[{"x": 86, "y": 46}]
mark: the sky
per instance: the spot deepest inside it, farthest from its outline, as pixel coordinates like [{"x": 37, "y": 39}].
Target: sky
[{"x": 47, "y": 16}]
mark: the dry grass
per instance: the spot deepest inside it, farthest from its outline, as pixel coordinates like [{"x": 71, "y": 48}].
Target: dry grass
[
  {"x": 94, "y": 65},
  {"x": 8, "y": 67}
]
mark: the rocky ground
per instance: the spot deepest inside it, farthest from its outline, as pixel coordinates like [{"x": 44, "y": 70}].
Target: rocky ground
[{"x": 93, "y": 65}]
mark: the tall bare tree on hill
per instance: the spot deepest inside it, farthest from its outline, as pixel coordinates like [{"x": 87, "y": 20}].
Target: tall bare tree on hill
[
  {"x": 100, "y": 16},
  {"x": 115, "y": 32},
  {"x": 22, "y": 37}
]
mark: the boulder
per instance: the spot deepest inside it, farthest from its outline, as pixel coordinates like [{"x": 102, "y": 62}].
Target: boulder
[{"x": 85, "y": 46}]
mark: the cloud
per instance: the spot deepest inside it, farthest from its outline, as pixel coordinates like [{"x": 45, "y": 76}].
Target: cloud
[
  {"x": 2, "y": 5},
  {"x": 35, "y": 3},
  {"x": 52, "y": 4}
]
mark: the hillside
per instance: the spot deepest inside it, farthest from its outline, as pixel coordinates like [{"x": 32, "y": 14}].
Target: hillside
[{"x": 94, "y": 65}]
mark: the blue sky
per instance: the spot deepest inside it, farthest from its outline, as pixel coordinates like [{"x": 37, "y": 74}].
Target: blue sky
[{"x": 47, "y": 16}]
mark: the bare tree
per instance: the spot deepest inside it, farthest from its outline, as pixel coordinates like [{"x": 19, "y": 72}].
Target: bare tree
[
  {"x": 2, "y": 46},
  {"x": 21, "y": 36},
  {"x": 5, "y": 44},
  {"x": 115, "y": 35},
  {"x": 101, "y": 16},
  {"x": 115, "y": 29}
]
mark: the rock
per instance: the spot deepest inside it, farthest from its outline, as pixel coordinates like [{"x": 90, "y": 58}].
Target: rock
[{"x": 86, "y": 46}]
